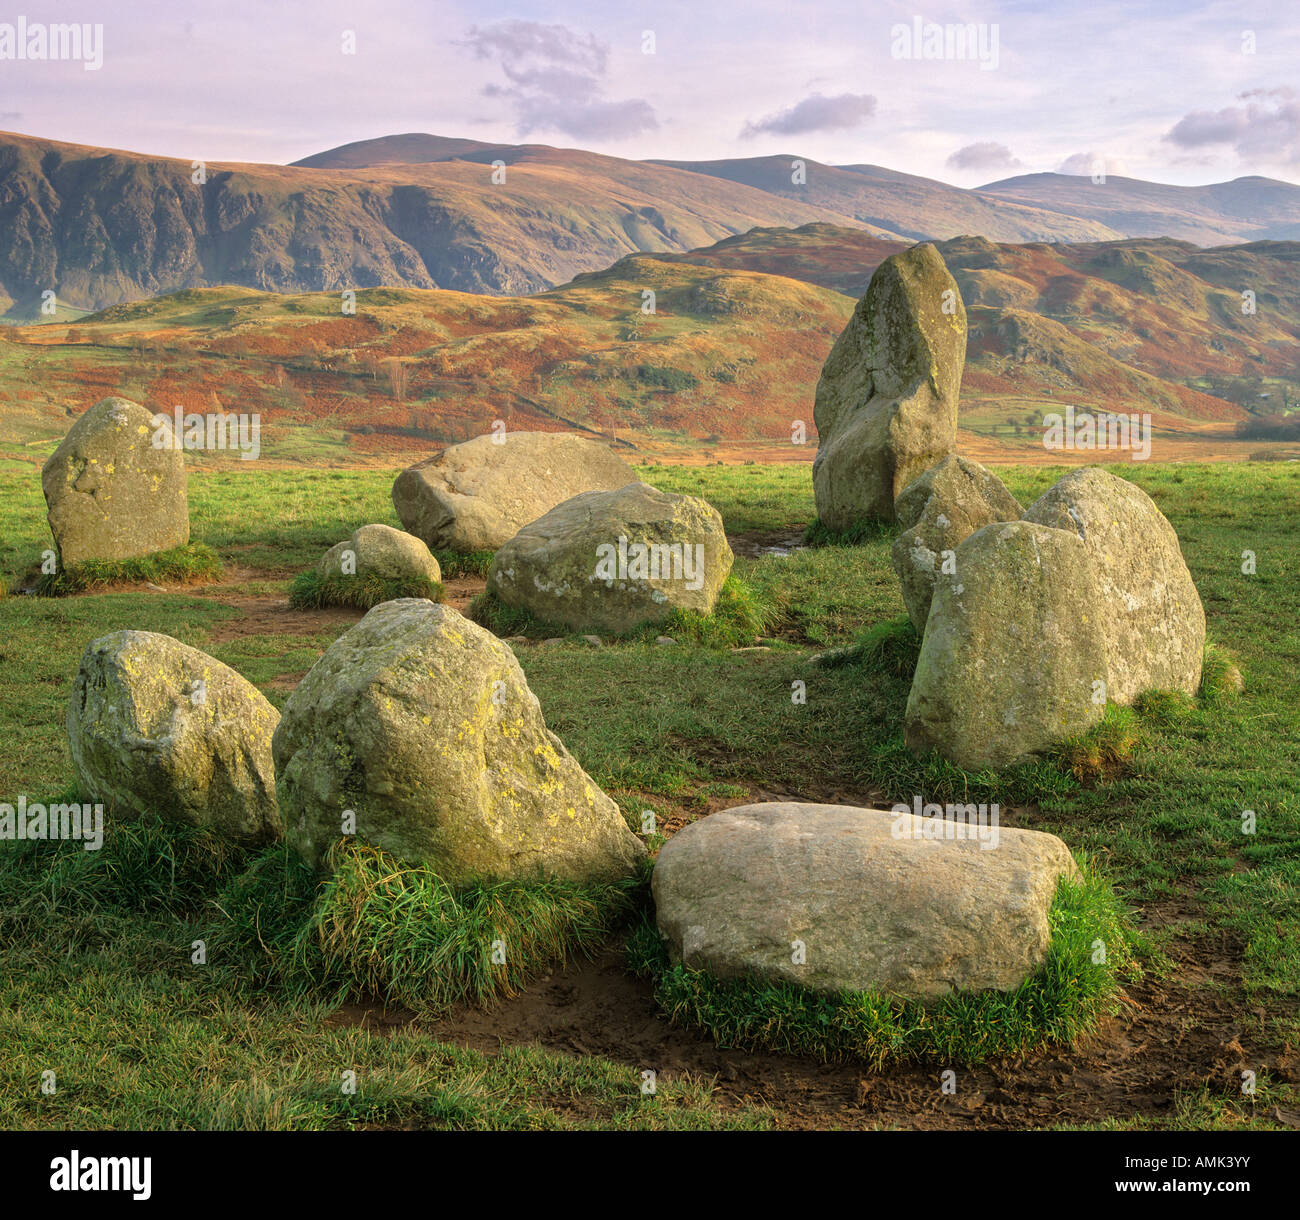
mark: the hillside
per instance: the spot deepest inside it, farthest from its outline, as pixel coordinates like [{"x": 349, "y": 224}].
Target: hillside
[
  {"x": 904, "y": 204},
  {"x": 730, "y": 357},
  {"x": 102, "y": 227},
  {"x": 727, "y": 354},
  {"x": 1097, "y": 321},
  {"x": 1243, "y": 210},
  {"x": 98, "y": 226}
]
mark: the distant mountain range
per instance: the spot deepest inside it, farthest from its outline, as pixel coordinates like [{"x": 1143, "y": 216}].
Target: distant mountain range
[{"x": 99, "y": 227}]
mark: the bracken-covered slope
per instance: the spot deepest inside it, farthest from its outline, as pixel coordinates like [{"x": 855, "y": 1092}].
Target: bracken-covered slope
[{"x": 99, "y": 227}]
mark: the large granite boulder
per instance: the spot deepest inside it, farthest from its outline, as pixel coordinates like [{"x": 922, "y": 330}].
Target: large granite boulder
[
  {"x": 155, "y": 726},
  {"x": 1148, "y": 608},
  {"x": 112, "y": 493},
  {"x": 879, "y": 901},
  {"x": 380, "y": 550},
  {"x": 613, "y": 560},
  {"x": 942, "y": 508},
  {"x": 886, "y": 408},
  {"x": 422, "y": 724},
  {"x": 476, "y": 495},
  {"x": 1014, "y": 648}
]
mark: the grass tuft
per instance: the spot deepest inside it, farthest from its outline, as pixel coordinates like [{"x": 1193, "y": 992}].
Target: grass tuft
[
  {"x": 377, "y": 927},
  {"x": 1220, "y": 675},
  {"x": 191, "y": 564},
  {"x": 739, "y": 616},
  {"x": 1103, "y": 751},
  {"x": 858, "y": 534},
  {"x": 1062, "y": 1001},
  {"x": 458, "y": 563},
  {"x": 311, "y": 591}
]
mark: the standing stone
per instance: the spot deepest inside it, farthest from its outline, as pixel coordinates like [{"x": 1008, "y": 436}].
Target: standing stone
[
  {"x": 947, "y": 504},
  {"x": 380, "y": 550},
  {"x": 1149, "y": 608},
  {"x": 476, "y": 495},
  {"x": 113, "y": 494},
  {"x": 886, "y": 408},
  {"x": 422, "y": 724},
  {"x": 155, "y": 726},
  {"x": 614, "y": 560},
  {"x": 879, "y": 901},
  {"x": 1014, "y": 649}
]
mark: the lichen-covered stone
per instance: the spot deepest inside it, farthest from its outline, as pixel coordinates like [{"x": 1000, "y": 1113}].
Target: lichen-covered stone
[
  {"x": 113, "y": 494},
  {"x": 942, "y": 508},
  {"x": 1148, "y": 605},
  {"x": 155, "y": 726},
  {"x": 875, "y": 900},
  {"x": 1014, "y": 648},
  {"x": 476, "y": 495},
  {"x": 886, "y": 408},
  {"x": 380, "y": 550},
  {"x": 614, "y": 560},
  {"x": 422, "y": 724}
]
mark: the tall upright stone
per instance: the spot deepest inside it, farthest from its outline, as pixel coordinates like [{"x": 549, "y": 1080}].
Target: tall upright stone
[
  {"x": 113, "y": 493},
  {"x": 886, "y": 408}
]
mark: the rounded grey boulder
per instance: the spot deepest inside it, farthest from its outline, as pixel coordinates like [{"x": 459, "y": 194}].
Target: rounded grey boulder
[
  {"x": 380, "y": 550},
  {"x": 613, "y": 560},
  {"x": 112, "y": 493},
  {"x": 417, "y": 733},
  {"x": 839, "y": 898},
  {"x": 942, "y": 508},
  {"x": 476, "y": 495},
  {"x": 1147, "y": 601},
  {"x": 1014, "y": 652},
  {"x": 155, "y": 726}
]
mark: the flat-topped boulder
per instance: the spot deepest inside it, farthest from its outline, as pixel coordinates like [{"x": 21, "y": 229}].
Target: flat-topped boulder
[
  {"x": 1014, "y": 649},
  {"x": 416, "y": 732},
  {"x": 886, "y": 407},
  {"x": 1149, "y": 608},
  {"x": 476, "y": 495},
  {"x": 614, "y": 560},
  {"x": 382, "y": 551},
  {"x": 158, "y": 727},
  {"x": 840, "y": 898},
  {"x": 112, "y": 492},
  {"x": 942, "y": 508}
]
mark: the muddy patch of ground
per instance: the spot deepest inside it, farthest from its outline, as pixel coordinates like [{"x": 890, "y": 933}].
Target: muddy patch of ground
[{"x": 1172, "y": 1037}]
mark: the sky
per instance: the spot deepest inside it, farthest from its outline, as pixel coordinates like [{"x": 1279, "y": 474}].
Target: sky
[{"x": 1183, "y": 93}]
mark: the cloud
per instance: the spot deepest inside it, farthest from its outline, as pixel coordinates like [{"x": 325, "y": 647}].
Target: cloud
[
  {"x": 556, "y": 81},
  {"x": 1267, "y": 124},
  {"x": 985, "y": 155},
  {"x": 815, "y": 113},
  {"x": 1090, "y": 163}
]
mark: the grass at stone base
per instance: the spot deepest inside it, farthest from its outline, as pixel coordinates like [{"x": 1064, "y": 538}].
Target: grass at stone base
[
  {"x": 191, "y": 564},
  {"x": 375, "y": 927},
  {"x": 310, "y": 590},
  {"x": 739, "y": 617},
  {"x": 1062, "y": 1001},
  {"x": 463, "y": 563}
]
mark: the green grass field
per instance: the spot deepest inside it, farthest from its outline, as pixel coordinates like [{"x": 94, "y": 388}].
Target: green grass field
[{"x": 98, "y": 986}]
